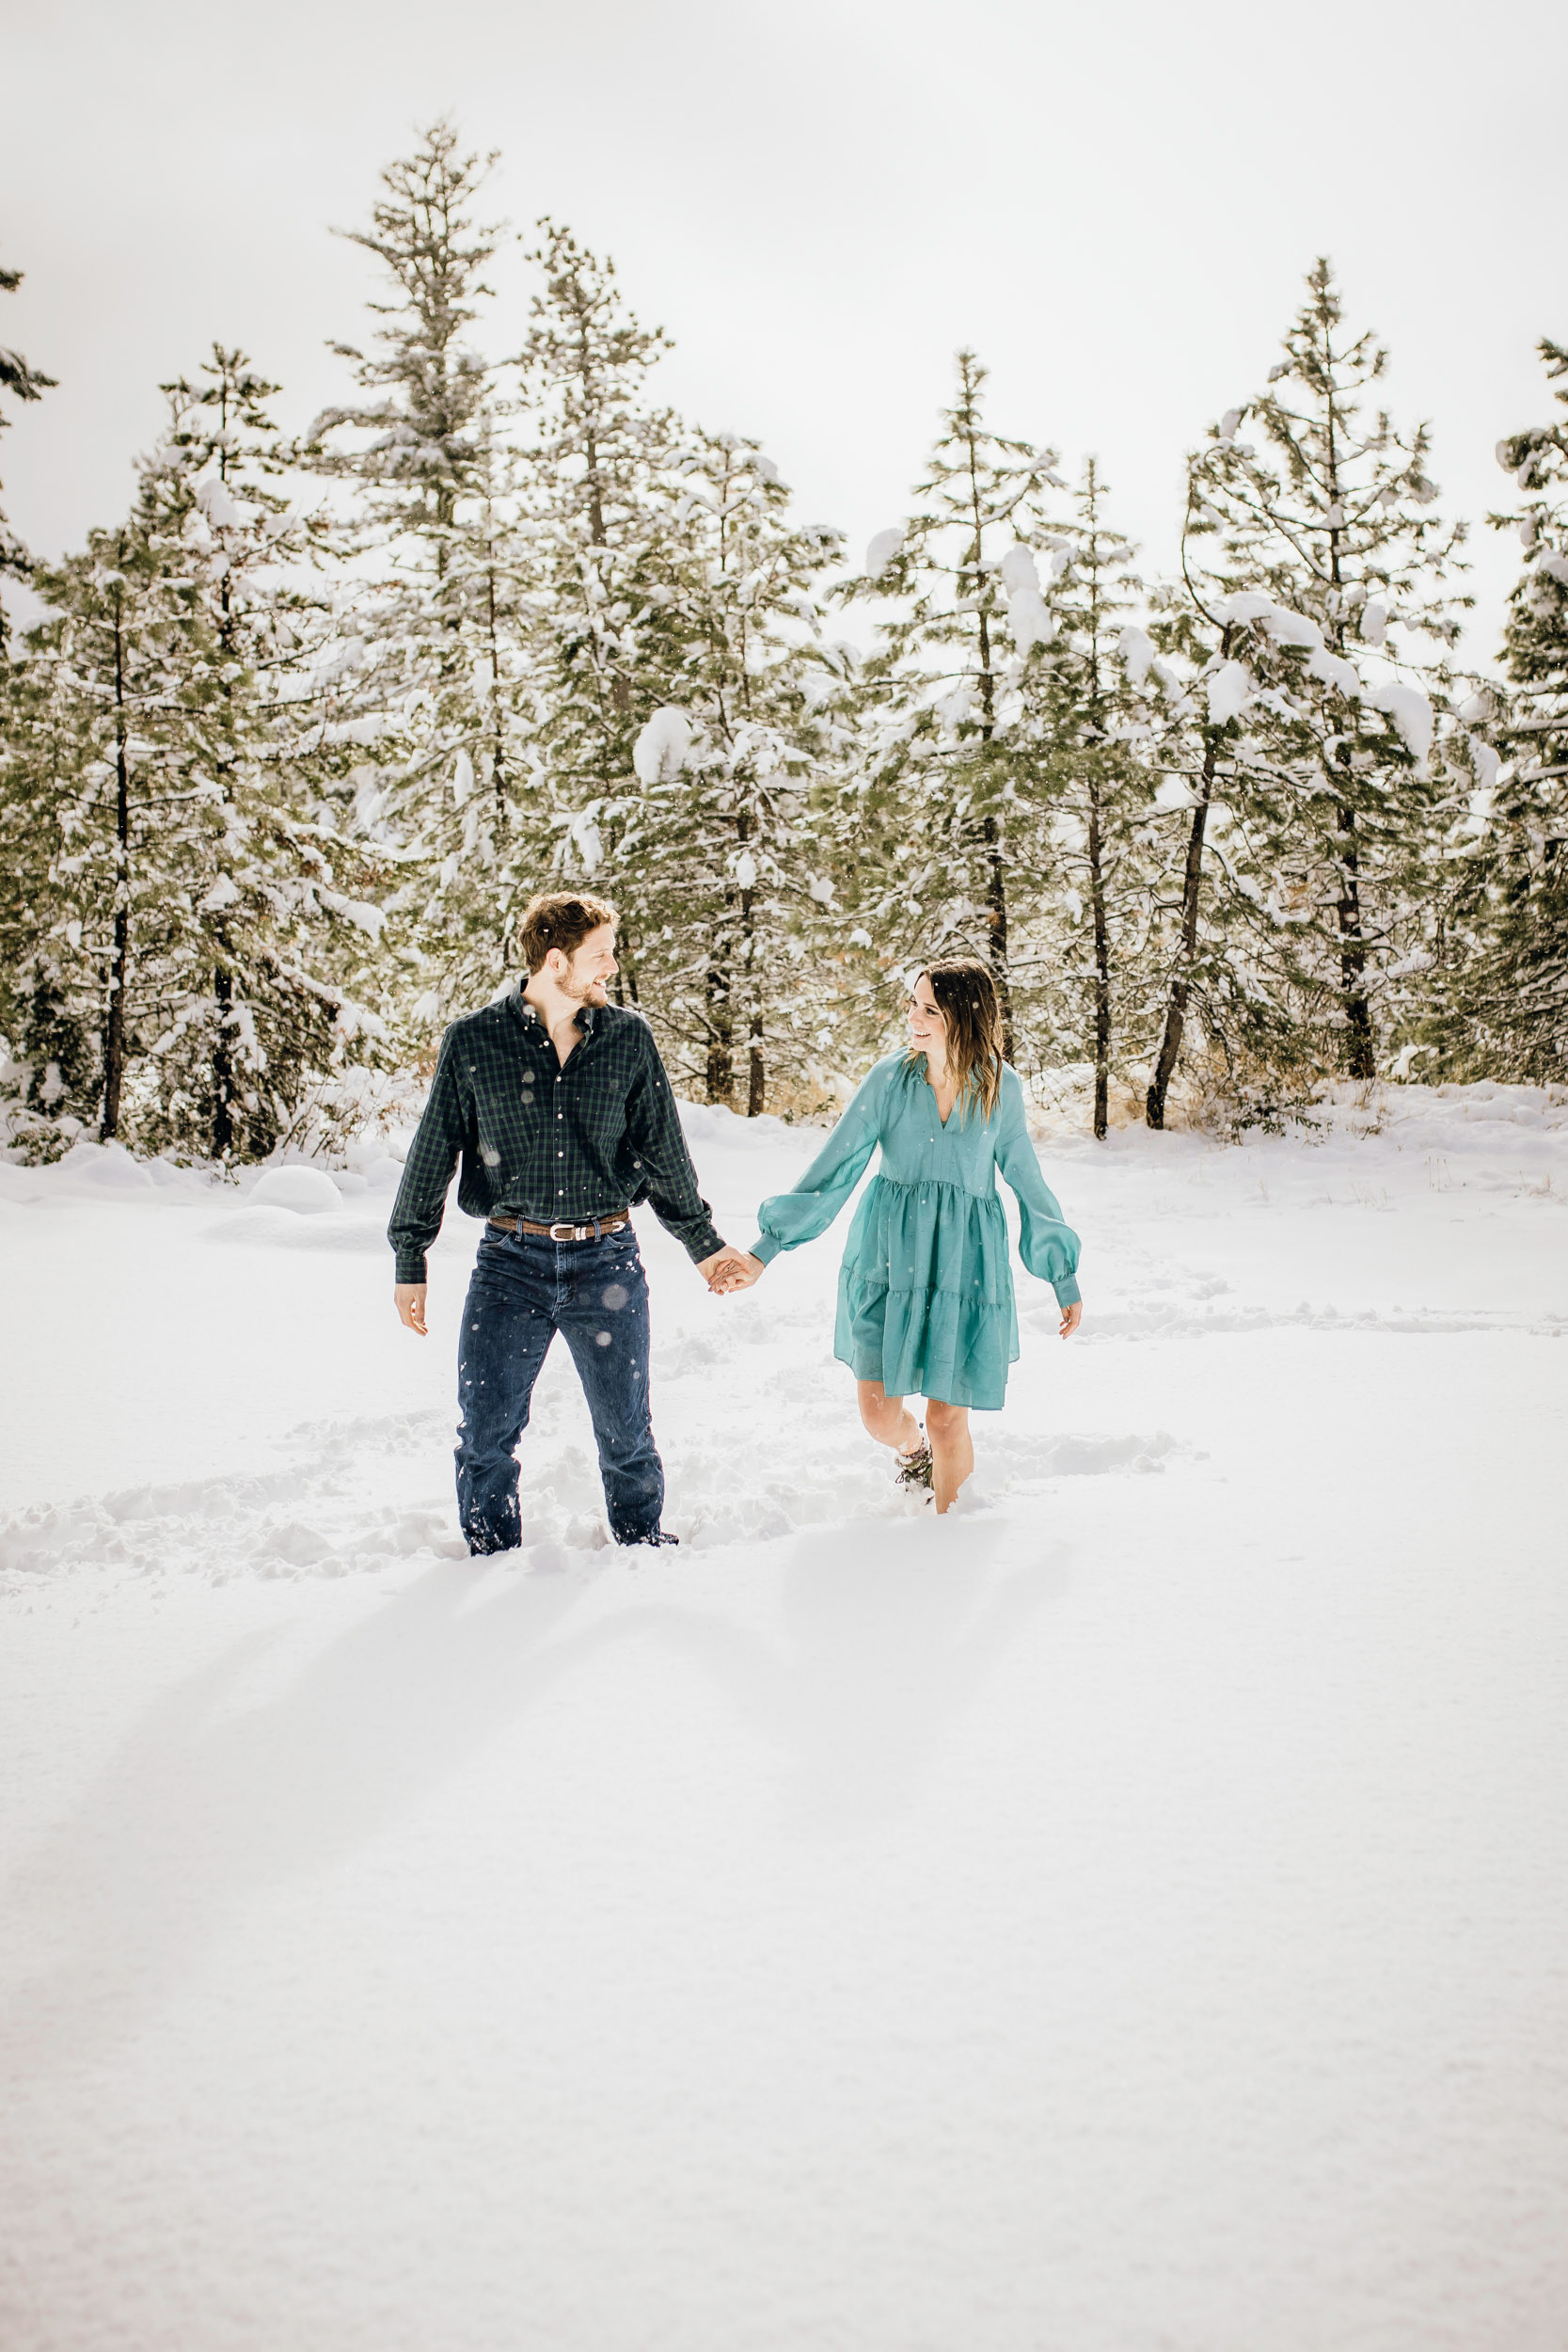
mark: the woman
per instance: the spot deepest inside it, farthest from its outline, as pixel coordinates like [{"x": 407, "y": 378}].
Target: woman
[{"x": 925, "y": 1294}]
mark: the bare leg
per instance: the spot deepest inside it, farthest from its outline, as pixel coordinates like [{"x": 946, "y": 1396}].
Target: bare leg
[
  {"x": 952, "y": 1449},
  {"x": 887, "y": 1418}
]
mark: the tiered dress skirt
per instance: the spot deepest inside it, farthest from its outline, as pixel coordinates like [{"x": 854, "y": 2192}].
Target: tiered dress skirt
[{"x": 925, "y": 1301}]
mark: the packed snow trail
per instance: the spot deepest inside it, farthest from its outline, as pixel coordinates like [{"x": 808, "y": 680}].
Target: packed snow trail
[{"x": 1128, "y": 1915}]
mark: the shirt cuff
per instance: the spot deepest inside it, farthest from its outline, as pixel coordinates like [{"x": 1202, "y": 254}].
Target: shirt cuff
[
  {"x": 765, "y": 1248},
  {"x": 1066, "y": 1291},
  {"x": 411, "y": 1267},
  {"x": 707, "y": 1246}
]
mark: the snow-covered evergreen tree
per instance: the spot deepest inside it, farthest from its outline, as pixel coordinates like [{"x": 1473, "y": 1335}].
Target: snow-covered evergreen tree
[
  {"x": 23, "y": 382},
  {"x": 733, "y": 890},
  {"x": 602, "y": 651},
  {"x": 1506, "y": 991},
  {"x": 1218, "y": 925},
  {"x": 1082, "y": 818},
  {"x": 283, "y": 937},
  {"x": 434, "y": 564},
  {"x": 181, "y": 911},
  {"x": 49, "y": 1015},
  {"x": 1317, "y": 575},
  {"x": 933, "y": 822}
]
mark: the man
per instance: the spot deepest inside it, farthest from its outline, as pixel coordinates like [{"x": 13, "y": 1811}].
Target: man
[{"x": 559, "y": 1106}]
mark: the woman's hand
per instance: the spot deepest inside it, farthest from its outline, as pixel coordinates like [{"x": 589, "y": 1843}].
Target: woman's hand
[
  {"x": 739, "y": 1271},
  {"x": 1071, "y": 1317},
  {"x": 723, "y": 1269}
]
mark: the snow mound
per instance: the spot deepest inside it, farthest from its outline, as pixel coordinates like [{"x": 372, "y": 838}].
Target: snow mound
[
  {"x": 271, "y": 1228},
  {"x": 308, "y": 1191},
  {"x": 102, "y": 1168}
]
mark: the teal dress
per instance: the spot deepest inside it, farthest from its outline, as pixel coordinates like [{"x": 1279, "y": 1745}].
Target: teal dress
[{"x": 926, "y": 1294}]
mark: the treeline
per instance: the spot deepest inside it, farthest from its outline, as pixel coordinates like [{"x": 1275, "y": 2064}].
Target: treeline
[{"x": 299, "y": 735}]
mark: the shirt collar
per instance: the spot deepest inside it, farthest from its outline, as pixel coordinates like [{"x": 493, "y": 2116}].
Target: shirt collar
[{"x": 586, "y": 1014}]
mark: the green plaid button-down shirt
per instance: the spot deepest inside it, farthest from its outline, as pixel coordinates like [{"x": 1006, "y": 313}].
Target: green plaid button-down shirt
[{"x": 556, "y": 1146}]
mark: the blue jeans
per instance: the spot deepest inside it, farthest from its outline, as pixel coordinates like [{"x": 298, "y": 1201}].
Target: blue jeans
[{"x": 525, "y": 1289}]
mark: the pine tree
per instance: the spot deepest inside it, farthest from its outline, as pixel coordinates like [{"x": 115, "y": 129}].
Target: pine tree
[
  {"x": 431, "y": 547},
  {"x": 289, "y": 952},
  {"x": 602, "y": 650},
  {"x": 733, "y": 888},
  {"x": 179, "y": 909},
  {"x": 1084, "y": 788},
  {"x": 1506, "y": 1011},
  {"x": 1299, "y": 560},
  {"x": 940, "y": 691},
  {"x": 1220, "y": 933},
  {"x": 47, "y": 1018},
  {"x": 24, "y": 383}
]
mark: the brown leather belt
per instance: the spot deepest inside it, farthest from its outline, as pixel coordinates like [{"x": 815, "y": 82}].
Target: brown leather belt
[{"x": 590, "y": 1231}]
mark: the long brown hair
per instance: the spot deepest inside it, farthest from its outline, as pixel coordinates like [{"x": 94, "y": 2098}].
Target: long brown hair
[{"x": 967, "y": 1000}]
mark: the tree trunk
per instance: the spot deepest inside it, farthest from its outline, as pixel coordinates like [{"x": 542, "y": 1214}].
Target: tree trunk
[
  {"x": 223, "y": 1067},
  {"x": 756, "y": 1074},
  {"x": 113, "y": 1024},
  {"x": 1180, "y": 987},
  {"x": 1361, "y": 1052},
  {"x": 721, "y": 1036},
  {"x": 996, "y": 915},
  {"x": 498, "y": 739},
  {"x": 1101, "y": 969},
  {"x": 1360, "y": 1056},
  {"x": 991, "y": 830},
  {"x": 620, "y": 685}
]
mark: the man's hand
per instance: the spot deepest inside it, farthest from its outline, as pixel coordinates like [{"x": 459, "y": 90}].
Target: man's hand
[
  {"x": 729, "y": 1270},
  {"x": 408, "y": 1299},
  {"x": 739, "y": 1272},
  {"x": 1071, "y": 1317}
]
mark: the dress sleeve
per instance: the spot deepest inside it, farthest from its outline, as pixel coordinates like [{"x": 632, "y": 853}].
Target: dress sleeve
[
  {"x": 1047, "y": 1246},
  {"x": 791, "y": 1218}
]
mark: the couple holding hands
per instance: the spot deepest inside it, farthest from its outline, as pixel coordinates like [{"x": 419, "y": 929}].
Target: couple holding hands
[{"x": 556, "y": 1106}]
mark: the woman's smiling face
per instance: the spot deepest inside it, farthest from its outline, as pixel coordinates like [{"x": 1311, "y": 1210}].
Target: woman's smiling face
[{"x": 927, "y": 1022}]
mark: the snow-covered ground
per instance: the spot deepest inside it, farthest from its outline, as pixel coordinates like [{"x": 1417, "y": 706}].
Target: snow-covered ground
[{"x": 1129, "y": 1915}]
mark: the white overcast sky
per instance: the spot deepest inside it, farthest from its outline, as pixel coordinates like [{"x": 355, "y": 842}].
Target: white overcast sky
[{"x": 1113, "y": 204}]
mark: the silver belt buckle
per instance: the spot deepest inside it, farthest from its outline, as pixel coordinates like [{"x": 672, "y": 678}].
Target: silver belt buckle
[{"x": 567, "y": 1232}]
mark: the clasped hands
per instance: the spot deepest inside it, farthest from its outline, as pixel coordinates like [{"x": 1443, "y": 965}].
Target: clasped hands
[{"x": 730, "y": 1269}]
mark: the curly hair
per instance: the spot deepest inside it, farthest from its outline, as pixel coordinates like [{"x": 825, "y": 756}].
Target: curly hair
[{"x": 560, "y": 918}]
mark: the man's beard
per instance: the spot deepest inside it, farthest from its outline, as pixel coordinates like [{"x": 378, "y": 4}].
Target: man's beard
[{"x": 582, "y": 992}]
